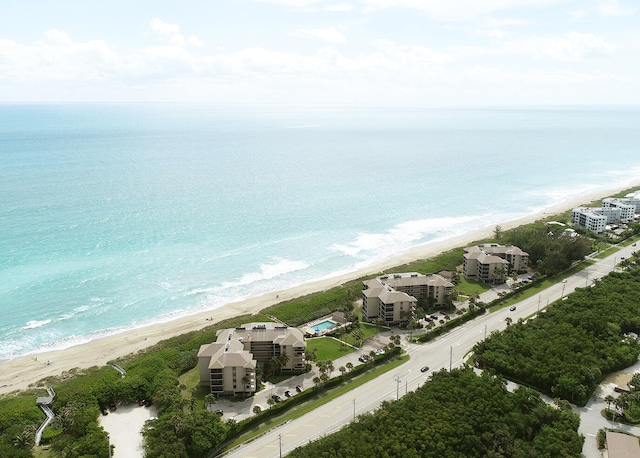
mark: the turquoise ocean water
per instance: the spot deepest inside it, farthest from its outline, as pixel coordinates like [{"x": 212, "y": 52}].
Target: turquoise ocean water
[{"x": 118, "y": 216}]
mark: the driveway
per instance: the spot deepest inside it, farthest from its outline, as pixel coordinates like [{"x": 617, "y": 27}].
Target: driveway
[{"x": 239, "y": 410}]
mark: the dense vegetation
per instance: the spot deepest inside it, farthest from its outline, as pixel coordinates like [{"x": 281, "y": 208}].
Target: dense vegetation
[
  {"x": 457, "y": 414},
  {"x": 551, "y": 250},
  {"x": 574, "y": 344}
]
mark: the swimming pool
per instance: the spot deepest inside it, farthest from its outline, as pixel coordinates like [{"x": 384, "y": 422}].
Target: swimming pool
[{"x": 326, "y": 324}]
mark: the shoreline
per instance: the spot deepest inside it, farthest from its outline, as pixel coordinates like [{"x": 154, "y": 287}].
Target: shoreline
[{"x": 22, "y": 371}]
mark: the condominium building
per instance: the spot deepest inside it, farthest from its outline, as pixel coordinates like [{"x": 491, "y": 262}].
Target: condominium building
[
  {"x": 228, "y": 365},
  {"x": 395, "y": 297},
  {"x": 591, "y": 219},
  {"x": 490, "y": 263},
  {"x": 627, "y": 210}
]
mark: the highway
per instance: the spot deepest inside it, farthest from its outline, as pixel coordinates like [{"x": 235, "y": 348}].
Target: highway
[{"x": 450, "y": 350}]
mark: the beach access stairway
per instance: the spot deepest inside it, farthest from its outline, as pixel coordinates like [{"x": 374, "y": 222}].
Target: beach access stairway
[
  {"x": 44, "y": 403},
  {"x": 119, "y": 369}
]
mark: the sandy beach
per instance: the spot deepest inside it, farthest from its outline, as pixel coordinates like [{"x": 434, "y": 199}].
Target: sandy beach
[{"x": 19, "y": 373}]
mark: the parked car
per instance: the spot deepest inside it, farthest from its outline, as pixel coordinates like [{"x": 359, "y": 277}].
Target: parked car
[
  {"x": 287, "y": 393},
  {"x": 434, "y": 317},
  {"x": 362, "y": 359},
  {"x": 112, "y": 406},
  {"x": 276, "y": 398},
  {"x": 141, "y": 402},
  {"x": 424, "y": 369},
  {"x": 299, "y": 388},
  {"x": 512, "y": 308},
  {"x": 219, "y": 412},
  {"x": 148, "y": 403},
  {"x": 104, "y": 410}
]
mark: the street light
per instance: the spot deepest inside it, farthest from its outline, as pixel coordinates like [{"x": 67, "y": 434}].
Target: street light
[{"x": 397, "y": 387}]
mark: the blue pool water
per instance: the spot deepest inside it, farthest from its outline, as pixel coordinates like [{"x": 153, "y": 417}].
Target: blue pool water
[{"x": 324, "y": 325}]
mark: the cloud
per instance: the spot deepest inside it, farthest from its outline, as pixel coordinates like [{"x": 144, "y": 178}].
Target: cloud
[
  {"x": 329, "y": 34},
  {"x": 455, "y": 10},
  {"x": 314, "y": 5},
  {"x": 613, "y": 8},
  {"x": 171, "y": 33},
  {"x": 572, "y": 46}
]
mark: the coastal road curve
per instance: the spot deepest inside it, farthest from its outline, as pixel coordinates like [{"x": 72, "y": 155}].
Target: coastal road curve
[{"x": 448, "y": 351}]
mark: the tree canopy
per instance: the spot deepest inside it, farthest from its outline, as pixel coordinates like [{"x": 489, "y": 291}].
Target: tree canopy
[{"x": 457, "y": 414}]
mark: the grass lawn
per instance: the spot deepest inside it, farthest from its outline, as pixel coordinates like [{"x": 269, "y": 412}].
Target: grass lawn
[
  {"x": 367, "y": 329},
  {"x": 471, "y": 287},
  {"x": 607, "y": 252},
  {"x": 328, "y": 348}
]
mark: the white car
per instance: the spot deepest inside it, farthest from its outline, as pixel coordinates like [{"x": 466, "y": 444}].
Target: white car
[{"x": 512, "y": 308}]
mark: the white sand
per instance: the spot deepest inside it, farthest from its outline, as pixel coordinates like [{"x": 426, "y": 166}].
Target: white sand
[
  {"x": 19, "y": 373},
  {"x": 124, "y": 427}
]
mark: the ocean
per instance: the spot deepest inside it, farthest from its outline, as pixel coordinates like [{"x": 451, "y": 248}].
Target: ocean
[{"x": 118, "y": 216}]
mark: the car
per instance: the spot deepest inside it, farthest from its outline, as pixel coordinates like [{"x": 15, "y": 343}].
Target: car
[
  {"x": 276, "y": 398},
  {"x": 141, "y": 402},
  {"x": 362, "y": 359},
  {"x": 424, "y": 369},
  {"x": 512, "y": 308},
  {"x": 287, "y": 393},
  {"x": 299, "y": 388},
  {"x": 219, "y": 412},
  {"x": 112, "y": 406},
  {"x": 104, "y": 410},
  {"x": 633, "y": 244},
  {"x": 148, "y": 403},
  {"x": 564, "y": 281}
]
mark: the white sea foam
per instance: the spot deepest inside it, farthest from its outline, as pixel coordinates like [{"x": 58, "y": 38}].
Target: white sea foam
[
  {"x": 267, "y": 271},
  {"x": 33, "y": 324}
]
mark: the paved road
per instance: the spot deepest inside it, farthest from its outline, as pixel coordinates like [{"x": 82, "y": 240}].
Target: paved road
[{"x": 448, "y": 351}]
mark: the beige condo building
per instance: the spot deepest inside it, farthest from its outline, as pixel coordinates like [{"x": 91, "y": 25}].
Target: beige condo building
[
  {"x": 490, "y": 263},
  {"x": 394, "y": 297},
  {"x": 228, "y": 366}
]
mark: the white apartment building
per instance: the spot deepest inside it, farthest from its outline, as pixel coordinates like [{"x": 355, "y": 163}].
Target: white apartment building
[
  {"x": 627, "y": 211},
  {"x": 595, "y": 219}
]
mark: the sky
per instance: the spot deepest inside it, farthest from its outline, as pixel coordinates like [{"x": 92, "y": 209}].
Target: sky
[{"x": 423, "y": 53}]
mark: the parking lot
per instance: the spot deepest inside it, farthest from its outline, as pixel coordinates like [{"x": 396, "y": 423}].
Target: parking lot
[{"x": 239, "y": 410}]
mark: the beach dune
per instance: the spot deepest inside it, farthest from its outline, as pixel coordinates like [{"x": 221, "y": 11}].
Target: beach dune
[{"x": 21, "y": 372}]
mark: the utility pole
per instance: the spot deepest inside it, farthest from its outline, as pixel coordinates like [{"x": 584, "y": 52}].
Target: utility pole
[
  {"x": 354, "y": 408},
  {"x": 450, "y": 357},
  {"x": 397, "y": 387},
  {"x": 485, "y": 332},
  {"x": 280, "y": 440}
]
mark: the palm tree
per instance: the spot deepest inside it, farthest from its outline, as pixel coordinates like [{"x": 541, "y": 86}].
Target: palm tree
[
  {"x": 274, "y": 363},
  {"x": 25, "y": 438},
  {"x": 209, "y": 399},
  {"x": 330, "y": 367},
  {"x": 349, "y": 366},
  {"x": 245, "y": 381},
  {"x": 257, "y": 409},
  {"x": 317, "y": 380},
  {"x": 284, "y": 360},
  {"x": 342, "y": 370},
  {"x": 271, "y": 402}
]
